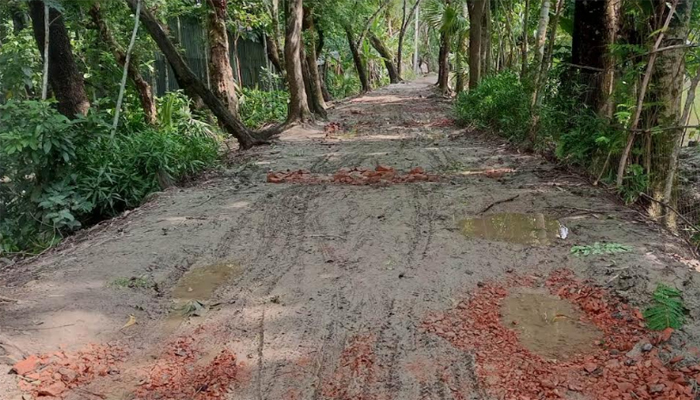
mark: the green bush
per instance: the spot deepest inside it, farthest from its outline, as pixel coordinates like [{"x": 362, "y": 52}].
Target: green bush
[
  {"x": 58, "y": 174},
  {"x": 258, "y": 107},
  {"x": 500, "y": 102}
]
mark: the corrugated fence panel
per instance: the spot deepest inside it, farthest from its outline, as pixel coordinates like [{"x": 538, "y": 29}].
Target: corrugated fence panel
[{"x": 191, "y": 35}]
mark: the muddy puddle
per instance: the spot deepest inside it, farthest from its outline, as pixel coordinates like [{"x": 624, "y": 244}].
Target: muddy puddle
[
  {"x": 200, "y": 283},
  {"x": 192, "y": 294},
  {"x": 547, "y": 325},
  {"x": 533, "y": 229}
]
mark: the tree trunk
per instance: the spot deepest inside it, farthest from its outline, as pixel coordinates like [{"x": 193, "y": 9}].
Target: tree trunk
[
  {"x": 406, "y": 20},
  {"x": 316, "y": 100},
  {"x": 444, "y": 64},
  {"x": 666, "y": 92},
  {"x": 593, "y": 34},
  {"x": 64, "y": 77},
  {"x": 357, "y": 59},
  {"x": 274, "y": 43},
  {"x": 143, "y": 88},
  {"x": 486, "y": 40},
  {"x": 476, "y": 13},
  {"x": 523, "y": 44},
  {"x": 299, "y": 110},
  {"x": 622, "y": 166},
  {"x": 322, "y": 68},
  {"x": 312, "y": 83},
  {"x": 273, "y": 54},
  {"x": 540, "y": 42},
  {"x": 461, "y": 55},
  {"x": 386, "y": 55},
  {"x": 220, "y": 70},
  {"x": 194, "y": 87}
]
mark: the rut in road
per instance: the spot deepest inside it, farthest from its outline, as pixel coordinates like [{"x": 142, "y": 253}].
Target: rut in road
[{"x": 334, "y": 282}]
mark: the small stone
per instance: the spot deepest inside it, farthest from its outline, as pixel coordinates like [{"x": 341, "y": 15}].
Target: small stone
[
  {"x": 658, "y": 388},
  {"x": 67, "y": 374},
  {"x": 55, "y": 389},
  {"x": 480, "y": 284},
  {"x": 590, "y": 367},
  {"x": 647, "y": 347},
  {"x": 401, "y": 275}
]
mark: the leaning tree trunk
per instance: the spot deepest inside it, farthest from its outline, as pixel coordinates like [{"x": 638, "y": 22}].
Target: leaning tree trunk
[
  {"x": 358, "y": 60},
  {"x": 220, "y": 71},
  {"x": 194, "y": 87},
  {"x": 476, "y": 13},
  {"x": 64, "y": 77},
  {"x": 273, "y": 54},
  {"x": 386, "y": 55},
  {"x": 299, "y": 110},
  {"x": 593, "y": 34},
  {"x": 143, "y": 88}
]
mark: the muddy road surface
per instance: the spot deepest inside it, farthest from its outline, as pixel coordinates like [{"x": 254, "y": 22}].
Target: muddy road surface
[{"x": 410, "y": 259}]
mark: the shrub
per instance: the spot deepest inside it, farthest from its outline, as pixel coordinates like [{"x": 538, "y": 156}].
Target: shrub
[
  {"x": 57, "y": 174},
  {"x": 258, "y": 107},
  {"x": 500, "y": 102}
]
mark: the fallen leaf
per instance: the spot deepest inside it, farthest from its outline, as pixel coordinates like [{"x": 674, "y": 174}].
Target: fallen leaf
[{"x": 130, "y": 322}]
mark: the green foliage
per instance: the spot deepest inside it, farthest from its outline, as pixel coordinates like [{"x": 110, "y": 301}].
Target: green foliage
[
  {"x": 500, "y": 102},
  {"x": 57, "y": 174},
  {"x": 259, "y": 107},
  {"x": 599, "y": 249},
  {"x": 667, "y": 309},
  {"x": 20, "y": 64},
  {"x": 140, "y": 282},
  {"x": 636, "y": 181}
]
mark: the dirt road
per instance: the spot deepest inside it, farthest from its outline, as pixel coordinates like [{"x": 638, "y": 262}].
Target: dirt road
[{"x": 326, "y": 290}]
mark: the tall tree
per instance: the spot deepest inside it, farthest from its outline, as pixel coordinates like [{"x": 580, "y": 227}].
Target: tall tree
[
  {"x": 143, "y": 88},
  {"x": 525, "y": 38},
  {"x": 65, "y": 79},
  {"x": 299, "y": 110},
  {"x": 594, "y": 32},
  {"x": 476, "y": 17},
  {"x": 312, "y": 78},
  {"x": 220, "y": 70},
  {"x": 194, "y": 87},
  {"x": 405, "y": 23}
]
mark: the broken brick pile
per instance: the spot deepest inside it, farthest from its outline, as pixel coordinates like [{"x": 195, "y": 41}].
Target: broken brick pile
[
  {"x": 617, "y": 369},
  {"x": 356, "y": 372},
  {"x": 354, "y": 176},
  {"x": 54, "y": 374},
  {"x": 177, "y": 374}
]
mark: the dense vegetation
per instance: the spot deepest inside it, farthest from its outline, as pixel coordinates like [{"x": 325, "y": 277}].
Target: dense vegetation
[{"x": 87, "y": 129}]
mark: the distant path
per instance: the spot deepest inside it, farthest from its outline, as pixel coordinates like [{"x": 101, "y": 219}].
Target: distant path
[{"x": 329, "y": 284}]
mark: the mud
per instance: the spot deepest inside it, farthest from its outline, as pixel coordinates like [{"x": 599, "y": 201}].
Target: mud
[
  {"x": 201, "y": 282},
  {"x": 534, "y": 229},
  {"x": 336, "y": 280},
  {"x": 548, "y": 325}
]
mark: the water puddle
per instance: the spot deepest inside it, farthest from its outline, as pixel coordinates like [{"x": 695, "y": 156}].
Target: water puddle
[
  {"x": 200, "y": 283},
  {"x": 533, "y": 229},
  {"x": 547, "y": 325},
  {"x": 192, "y": 293}
]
